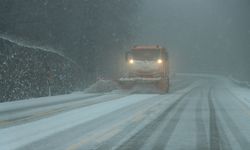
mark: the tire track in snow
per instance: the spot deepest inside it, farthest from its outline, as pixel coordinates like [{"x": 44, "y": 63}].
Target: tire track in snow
[
  {"x": 168, "y": 130},
  {"x": 140, "y": 111},
  {"x": 225, "y": 143},
  {"x": 69, "y": 105},
  {"x": 44, "y": 128},
  {"x": 139, "y": 139},
  {"x": 201, "y": 135},
  {"x": 213, "y": 129},
  {"x": 235, "y": 130}
]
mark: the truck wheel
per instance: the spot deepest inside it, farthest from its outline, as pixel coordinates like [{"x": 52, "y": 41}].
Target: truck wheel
[
  {"x": 167, "y": 85},
  {"x": 163, "y": 86}
]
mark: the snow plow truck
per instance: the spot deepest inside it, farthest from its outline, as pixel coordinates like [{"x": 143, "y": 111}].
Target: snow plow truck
[{"x": 147, "y": 65}]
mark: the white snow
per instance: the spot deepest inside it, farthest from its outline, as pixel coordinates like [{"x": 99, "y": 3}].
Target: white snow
[
  {"x": 17, "y": 136},
  {"x": 102, "y": 86},
  {"x": 158, "y": 109},
  {"x": 21, "y": 135},
  {"x": 14, "y": 105},
  {"x": 243, "y": 94}
]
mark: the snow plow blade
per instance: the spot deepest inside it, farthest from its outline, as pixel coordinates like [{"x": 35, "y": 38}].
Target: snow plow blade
[{"x": 129, "y": 83}]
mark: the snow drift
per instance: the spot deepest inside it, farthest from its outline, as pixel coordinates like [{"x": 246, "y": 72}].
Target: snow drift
[{"x": 102, "y": 86}]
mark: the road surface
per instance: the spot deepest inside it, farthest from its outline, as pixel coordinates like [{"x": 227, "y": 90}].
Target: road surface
[{"x": 200, "y": 112}]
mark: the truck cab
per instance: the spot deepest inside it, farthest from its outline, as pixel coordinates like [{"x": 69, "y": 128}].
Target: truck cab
[
  {"x": 147, "y": 64},
  {"x": 147, "y": 61}
]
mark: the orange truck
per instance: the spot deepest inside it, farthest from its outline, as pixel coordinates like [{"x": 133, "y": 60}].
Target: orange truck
[{"x": 147, "y": 64}]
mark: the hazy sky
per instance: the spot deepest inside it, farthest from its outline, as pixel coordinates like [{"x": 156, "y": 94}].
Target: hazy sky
[{"x": 202, "y": 34}]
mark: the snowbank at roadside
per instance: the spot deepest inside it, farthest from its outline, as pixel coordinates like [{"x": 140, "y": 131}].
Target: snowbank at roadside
[
  {"x": 241, "y": 90},
  {"x": 242, "y": 93},
  {"x": 240, "y": 83},
  {"x": 34, "y": 102},
  {"x": 102, "y": 86}
]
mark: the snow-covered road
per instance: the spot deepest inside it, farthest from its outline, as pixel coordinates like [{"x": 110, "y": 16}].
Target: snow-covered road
[{"x": 200, "y": 112}]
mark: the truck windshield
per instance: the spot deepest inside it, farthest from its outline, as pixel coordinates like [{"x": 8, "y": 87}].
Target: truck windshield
[{"x": 146, "y": 54}]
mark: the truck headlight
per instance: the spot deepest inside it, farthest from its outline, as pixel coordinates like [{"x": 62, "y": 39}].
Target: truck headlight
[
  {"x": 131, "y": 61},
  {"x": 159, "y": 61}
]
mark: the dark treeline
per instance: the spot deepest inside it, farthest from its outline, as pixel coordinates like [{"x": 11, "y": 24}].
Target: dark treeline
[{"x": 93, "y": 33}]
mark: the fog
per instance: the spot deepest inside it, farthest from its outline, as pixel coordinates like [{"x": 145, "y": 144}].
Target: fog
[
  {"x": 67, "y": 45},
  {"x": 211, "y": 36}
]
